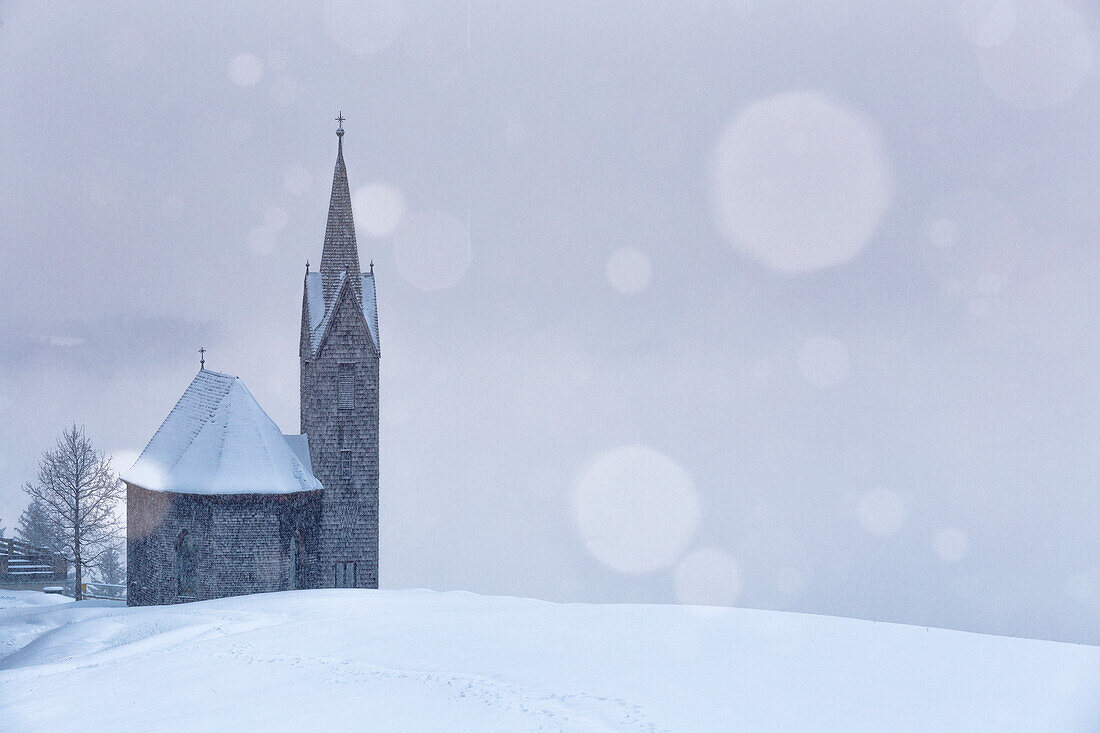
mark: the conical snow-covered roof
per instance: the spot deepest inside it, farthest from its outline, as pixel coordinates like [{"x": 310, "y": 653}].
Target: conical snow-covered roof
[{"x": 218, "y": 440}]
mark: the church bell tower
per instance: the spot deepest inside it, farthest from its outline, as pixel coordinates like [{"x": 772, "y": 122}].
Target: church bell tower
[{"x": 339, "y": 353}]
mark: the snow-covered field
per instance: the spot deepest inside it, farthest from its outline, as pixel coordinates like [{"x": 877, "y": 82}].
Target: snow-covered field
[{"x": 426, "y": 661}]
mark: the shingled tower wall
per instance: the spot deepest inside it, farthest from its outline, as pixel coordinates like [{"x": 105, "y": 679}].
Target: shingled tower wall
[{"x": 339, "y": 355}]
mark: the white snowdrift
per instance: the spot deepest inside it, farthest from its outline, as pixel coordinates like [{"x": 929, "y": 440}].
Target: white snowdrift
[{"x": 425, "y": 661}]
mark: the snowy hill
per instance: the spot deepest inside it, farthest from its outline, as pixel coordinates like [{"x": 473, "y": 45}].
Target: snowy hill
[{"x": 423, "y": 661}]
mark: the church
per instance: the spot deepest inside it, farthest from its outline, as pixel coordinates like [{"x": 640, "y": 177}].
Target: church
[{"x": 221, "y": 502}]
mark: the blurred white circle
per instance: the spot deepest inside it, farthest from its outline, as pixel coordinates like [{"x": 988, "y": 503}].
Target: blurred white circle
[
  {"x": 283, "y": 91},
  {"x": 800, "y": 182},
  {"x": 432, "y": 250},
  {"x": 1079, "y": 587},
  {"x": 240, "y": 130},
  {"x": 977, "y": 307},
  {"x": 245, "y": 70},
  {"x": 636, "y": 509},
  {"x": 951, "y": 544},
  {"x": 823, "y": 361},
  {"x": 990, "y": 283},
  {"x": 276, "y": 218},
  {"x": 1054, "y": 307},
  {"x": 378, "y": 209},
  {"x": 1043, "y": 59},
  {"x": 762, "y": 370},
  {"x": 628, "y": 270},
  {"x": 297, "y": 181},
  {"x": 276, "y": 59},
  {"x": 395, "y": 411},
  {"x": 126, "y": 47},
  {"x": 101, "y": 194},
  {"x": 514, "y": 134},
  {"x": 277, "y": 384},
  {"x": 942, "y": 233},
  {"x": 987, "y": 23},
  {"x": 173, "y": 206},
  {"x": 743, "y": 7},
  {"x": 658, "y": 143},
  {"x": 707, "y": 577},
  {"x": 789, "y": 582},
  {"x": 261, "y": 239},
  {"x": 364, "y": 27},
  {"x": 881, "y": 512}
]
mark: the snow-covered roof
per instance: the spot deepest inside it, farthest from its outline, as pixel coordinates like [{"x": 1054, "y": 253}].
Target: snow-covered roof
[
  {"x": 218, "y": 440},
  {"x": 315, "y": 301},
  {"x": 319, "y": 316},
  {"x": 299, "y": 445},
  {"x": 370, "y": 307}
]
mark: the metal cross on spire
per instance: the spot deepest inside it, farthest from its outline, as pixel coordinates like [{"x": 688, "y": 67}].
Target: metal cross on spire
[
  {"x": 202, "y": 358},
  {"x": 340, "y": 118}
]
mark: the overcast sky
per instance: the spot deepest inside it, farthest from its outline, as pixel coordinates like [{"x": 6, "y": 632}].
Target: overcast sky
[{"x": 778, "y": 304}]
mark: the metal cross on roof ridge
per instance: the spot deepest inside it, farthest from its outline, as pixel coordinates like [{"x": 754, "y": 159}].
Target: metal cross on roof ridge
[
  {"x": 202, "y": 358},
  {"x": 340, "y": 118}
]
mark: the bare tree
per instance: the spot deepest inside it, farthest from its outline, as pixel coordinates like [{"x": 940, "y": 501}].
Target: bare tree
[
  {"x": 36, "y": 529},
  {"x": 109, "y": 568},
  {"x": 78, "y": 491}
]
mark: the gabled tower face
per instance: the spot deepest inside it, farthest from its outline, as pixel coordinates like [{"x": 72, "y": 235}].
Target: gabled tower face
[{"x": 339, "y": 354}]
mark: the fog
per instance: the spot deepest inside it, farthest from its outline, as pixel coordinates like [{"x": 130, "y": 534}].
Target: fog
[{"x": 774, "y": 304}]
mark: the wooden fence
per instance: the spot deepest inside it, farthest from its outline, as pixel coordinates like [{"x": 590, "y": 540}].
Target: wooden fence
[{"x": 25, "y": 564}]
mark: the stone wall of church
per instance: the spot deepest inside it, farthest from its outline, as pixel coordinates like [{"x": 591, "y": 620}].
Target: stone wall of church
[
  {"x": 349, "y": 519},
  {"x": 241, "y": 543}
]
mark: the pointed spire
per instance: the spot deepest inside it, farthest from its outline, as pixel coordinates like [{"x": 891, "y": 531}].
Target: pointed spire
[{"x": 340, "y": 253}]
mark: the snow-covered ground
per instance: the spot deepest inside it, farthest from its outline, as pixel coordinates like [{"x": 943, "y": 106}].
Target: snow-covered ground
[{"x": 425, "y": 661}]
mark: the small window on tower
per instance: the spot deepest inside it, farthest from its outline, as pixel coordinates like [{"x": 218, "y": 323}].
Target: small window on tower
[
  {"x": 345, "y": 463},
  {"x": 346, "y": 397}
]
